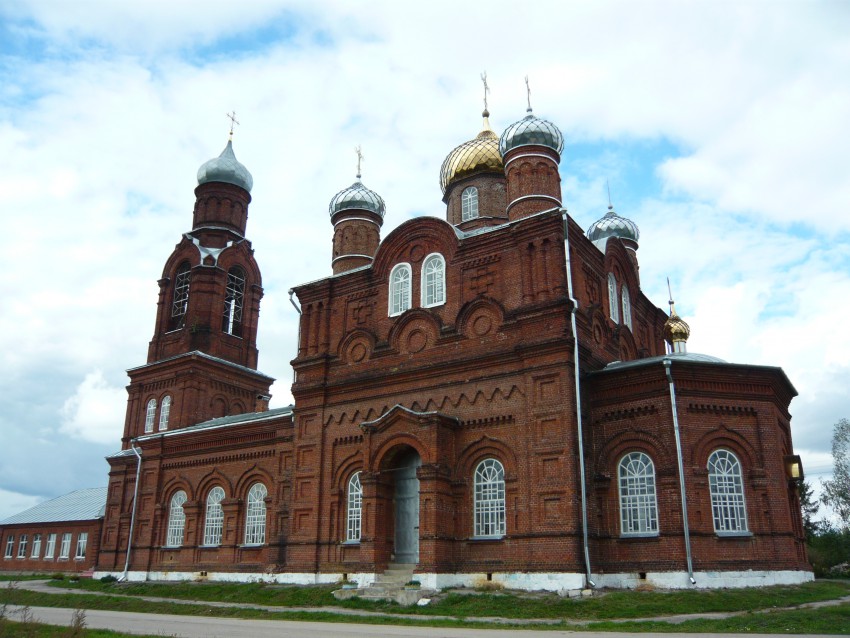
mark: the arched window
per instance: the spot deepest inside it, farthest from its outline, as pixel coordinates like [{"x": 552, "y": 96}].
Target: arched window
[
  {"x": 255, "y": 515},
  {"x": 638, "y": 506},
  {"x": 180, "y": 298},
  {"x": 627, "y": 306},
  {"x": 726, "y": 484},
  {"x": 489, "y": 499},
  {"x": 613, "y": 301},
  {"x": 469, "y": 203},
  {"x": 234, "y": 297},
  {"x": 214, "y": 518},
  {"x": 164, "y": 412},
  {"x": 176, "y": 520},
  {"x": 433, "y": 280},
  {"x": 400, "y": 285},
  {"x": 150, "y": 415},
  {"x": 355, "y": 505}
]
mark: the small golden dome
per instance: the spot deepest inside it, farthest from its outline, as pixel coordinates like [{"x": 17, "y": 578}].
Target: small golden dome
[
  {"x": 675, "y": 328},
  {"x": 478, "y": 155}
]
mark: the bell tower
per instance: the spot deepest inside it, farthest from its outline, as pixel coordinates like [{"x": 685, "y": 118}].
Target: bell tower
[{"x": 202, "y": 360}]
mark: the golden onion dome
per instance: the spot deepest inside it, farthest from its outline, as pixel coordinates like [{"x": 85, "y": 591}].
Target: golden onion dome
[
  {"x": 675, "y": 328},
  {"x": 478, "y": 155}
]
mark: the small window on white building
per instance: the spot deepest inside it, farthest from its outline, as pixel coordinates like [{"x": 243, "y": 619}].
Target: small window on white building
[
  {"x": 65, "y": 547},
  {"x": 355, "y": 504},
  {"x": 50, "y": 547},
  {"x": 22, "y": 546},
  {"x": 627, "y": 306},
  {"x": 36, "y": 546},
  {"x": 214, "y": 520},
  {"x": 255, "y": 516},
  {"x": 150, "y": 416},
  {"x": 613, "y": 301},
  {"x": 82, "y": 541},
  {"x": 176, "y": 520},
  {"x": 164, "y": 412},
  {"x": 489, "y": 498},
  {"x": 400, "y": 289},
  {"x": 638, "y": 506},
  {"x": 433, "y": 280},
  {"x": 10, "y": 546},
  {"x": 469, "y": 203},
  {"x": 726, "y": 485}
]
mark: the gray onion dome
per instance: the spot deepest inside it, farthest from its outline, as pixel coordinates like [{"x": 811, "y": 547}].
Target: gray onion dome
[
  {"x": 531, "y": 130},
  {"x": 357, "y": 197},
  {"x": 612, "y": 225},
  {"x": 226, "y": 168}
]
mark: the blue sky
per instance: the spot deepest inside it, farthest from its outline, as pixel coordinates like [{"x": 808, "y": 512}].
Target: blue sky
[{"x": 721, "y": 128}]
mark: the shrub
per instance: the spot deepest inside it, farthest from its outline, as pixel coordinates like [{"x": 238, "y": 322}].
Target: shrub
[
  {"x": 58, "y": 576},
  {"x": 109, "y": 578}
]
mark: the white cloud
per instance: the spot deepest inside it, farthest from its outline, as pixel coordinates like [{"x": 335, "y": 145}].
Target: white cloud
[{"x": 96, "y": 411}]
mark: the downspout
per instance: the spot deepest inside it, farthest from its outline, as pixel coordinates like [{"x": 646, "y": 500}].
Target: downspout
[
  {"x": 133, "y": 512},
  {"x": 686, "y": 527},
  {"x": 573, "y": 310}
]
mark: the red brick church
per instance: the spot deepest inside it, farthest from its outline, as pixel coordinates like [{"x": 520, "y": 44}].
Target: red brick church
[{"x": 484, "y": 397}]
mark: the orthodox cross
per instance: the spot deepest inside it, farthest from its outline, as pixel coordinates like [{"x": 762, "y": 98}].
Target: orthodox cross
[
  {"x": 233, "y": 121},
  {"x": 528, "y": 94},
  {"x": 359, "y": 159},
  {"x": 486, "y": 88}
]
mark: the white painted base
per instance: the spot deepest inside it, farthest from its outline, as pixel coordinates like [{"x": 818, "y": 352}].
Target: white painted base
[{"x": 561, "y": 582}]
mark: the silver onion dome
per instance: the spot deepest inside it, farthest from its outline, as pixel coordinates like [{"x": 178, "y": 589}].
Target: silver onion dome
[
  {"x": 531, "y": 130},
  {"x": 226, "y": 168},
  {"x": 612, "y": 225},
  {"x": 357, "y": 197}
]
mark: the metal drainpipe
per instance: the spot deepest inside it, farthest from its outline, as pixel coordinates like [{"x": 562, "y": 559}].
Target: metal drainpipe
[
  {"x": 133, "y": 513},
  {"x": 578, "y": 398},
  {"x": 686, "y": 527}
]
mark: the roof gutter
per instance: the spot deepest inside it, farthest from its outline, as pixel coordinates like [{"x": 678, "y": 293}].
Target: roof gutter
[{"x": 133, "y": 512}]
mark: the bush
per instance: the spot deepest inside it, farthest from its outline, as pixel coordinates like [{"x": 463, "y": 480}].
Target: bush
[
  {"x": 109, "y": 578},
  {"x": 58, "y": 576}
]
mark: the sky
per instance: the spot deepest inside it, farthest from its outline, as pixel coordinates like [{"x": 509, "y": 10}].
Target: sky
[{"x": 722, "y": 129}]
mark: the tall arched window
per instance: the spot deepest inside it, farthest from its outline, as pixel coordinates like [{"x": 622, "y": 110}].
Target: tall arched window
[
  {"x": 150, "y": 415},
  {"x": 469, "y": 203},
  {"x": 176, "y": 520},
  {"x": 613, "y": 301},
  {"x": 627, "y": 306},
  {"x": 726, "y": 484},
  {"x": 164, "y": 412},
  {"x": 355, "y": 505},
  {"x": 433, "y": 280},
  {"x": 489, "y": 495},
  {"x": 255, "y": 515},
  {"x": 638, "y": 506},
  {"x": 180, "y": 297},
  {"x": 234, "y": 298},
  {"x": 214, "y": 517},
  {"x": 400, "y": 286}
]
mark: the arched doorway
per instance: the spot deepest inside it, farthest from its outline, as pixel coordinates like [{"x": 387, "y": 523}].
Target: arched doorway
[{"x": 406, "y": 506}]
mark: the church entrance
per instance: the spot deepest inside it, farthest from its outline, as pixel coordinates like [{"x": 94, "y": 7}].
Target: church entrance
[{"x": 406, "y": 506}]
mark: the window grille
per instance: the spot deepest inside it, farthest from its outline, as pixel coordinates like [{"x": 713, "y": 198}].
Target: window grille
[
  {"x": 433, "y": 281},
  {"x": 164, "y": 413},
  {"x": 82, "y": 541},
  {"x": 400, "y": 285},
  {"x": 22, "y": 546},
  {"x": 355, "y": 505},
  {"x": 36, "y": 546},
  {"x": 65, "y": 547},
  {"x": 638, "y": 505},
  {"x": 180, "y": 298},
  {"x": 255, "y": 518},
  {"x": 489, "y": 499},
  {"x": 726, "y": 485},
  {"x": 214, "y": 520},
  {"x": 176, "y": 520},
  {"x": 10, "y": 546},
  {"x": 234, "y": 299},
  {"x": 50, "y": 547},
  {"x": 469, "y": 203}
]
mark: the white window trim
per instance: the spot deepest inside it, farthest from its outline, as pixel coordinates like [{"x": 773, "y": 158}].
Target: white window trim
[
  {"x": 82, "y": 543},
  {"x": 65, "y": 546},
  {"x": 627, "y": 306},
  {"x": 10, "y": 546},
  {"x": 613, "y": 299},
  {"x": 407, "y": 300},
  {"x": 638, "y": 501},
  {"x": 440, "y": 285},
  {"x": 489, "y": 500},
  {"x": 22, "y": 546},
  {"x": 50, "y": 547},
  {"x": 150, "y": 415},
  {"x": 354, "y": 509},
  {"x": 726, "y": 487},
  {"x": 469, "y": 203},
  {"x": 176, "y": 520},
  {"x": 164, "y": 412},
  {"x": 36, "y": 546},
  {"x": 214, "y": 517},
  {"x": 255, "y": 515}
]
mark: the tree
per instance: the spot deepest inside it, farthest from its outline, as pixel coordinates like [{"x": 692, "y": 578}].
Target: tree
[
  {"x": 809, "y": 506},
  {"x": 836, "y": 492}
]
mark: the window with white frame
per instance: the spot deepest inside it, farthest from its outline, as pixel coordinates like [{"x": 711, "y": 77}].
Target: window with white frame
[
  {"x": 214, "y": 518},
  {"x": 726, "y": 485},
  {"x": 22, "y": 546},
  {"x": 255, "y": 515},
  {"x": 176, "y": 520},
  {"x": 613, "y": 301},
  {"x": 50, "y": 546},
  {"x": 489, "y": 499},
  {"x": 164, "y": 412},
  {"x": 638, "y": 505},
  {"x": 36, "y": 546},
  {"x": 180, "y": 297},
  {"x": 469, "y": 203},
  {"x": 627, "y": 306},
  {"x": 234, "y": 298},
  {"x": 400, "y": 289},
  {"x": 82, "y": 541},
  {"x": 65, "y": 546},
  {"x": 10, "y": 546},
  {"x": 355, "y": 508},
  {"x": 150, "y": 416},
  {"x": 433, "y": 280}
]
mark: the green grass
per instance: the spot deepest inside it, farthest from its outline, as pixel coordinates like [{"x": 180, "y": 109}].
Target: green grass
[
  {"x": 11, "y": 577},
  {"x": 39, "y": 630}
]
